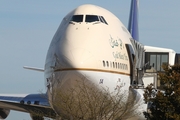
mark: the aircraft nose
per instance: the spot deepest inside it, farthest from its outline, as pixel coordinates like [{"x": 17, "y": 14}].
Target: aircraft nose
[{"x": 76, "y": 57}]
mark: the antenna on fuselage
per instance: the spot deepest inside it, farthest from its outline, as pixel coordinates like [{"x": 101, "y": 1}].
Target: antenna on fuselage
[{"x": 133, "y": 20}]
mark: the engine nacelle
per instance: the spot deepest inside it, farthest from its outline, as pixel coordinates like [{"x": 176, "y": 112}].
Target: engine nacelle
[
  {"x": 4, "y": 113},
  {"x": 36, "y": 117}
]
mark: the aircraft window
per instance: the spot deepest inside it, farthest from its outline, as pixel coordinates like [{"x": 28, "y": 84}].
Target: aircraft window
[
  {"x": 104, "y": 63},
  {"x": 91, "y": 18},
  {"x": 126, "y": 67},
  {"x": 104, "y": 20},
  {"x": 113, "y": 65},
  {"x": 107, "y": 63},
  {"x": 116, "y": 64},
  {"x": 77, "y": 18}
]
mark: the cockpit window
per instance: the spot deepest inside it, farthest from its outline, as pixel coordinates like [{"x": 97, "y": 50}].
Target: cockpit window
[
  {"x": 77, "y": 18},
  {"x": 91, "y": 18},
  {"x": 88, "y": 19},
  {"x": 103, "y": 20}
]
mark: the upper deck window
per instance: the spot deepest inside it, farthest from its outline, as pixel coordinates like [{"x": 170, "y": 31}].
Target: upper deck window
[
  {"x": 77, "y": 18},
  {"x": 91, "y": 18}
]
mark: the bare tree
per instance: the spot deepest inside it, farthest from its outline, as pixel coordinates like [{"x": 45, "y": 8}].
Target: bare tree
[{"x": 88, "y": 102}]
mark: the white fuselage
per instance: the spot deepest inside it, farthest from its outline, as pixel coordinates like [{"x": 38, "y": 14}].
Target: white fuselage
[{"x": 89, "y": 50}]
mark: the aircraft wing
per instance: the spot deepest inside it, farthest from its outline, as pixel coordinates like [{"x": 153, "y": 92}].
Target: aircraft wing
[{"x": 35, "y": 104}]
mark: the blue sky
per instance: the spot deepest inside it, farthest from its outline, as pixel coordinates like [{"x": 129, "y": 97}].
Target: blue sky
[{"x": 27, "y": 27}]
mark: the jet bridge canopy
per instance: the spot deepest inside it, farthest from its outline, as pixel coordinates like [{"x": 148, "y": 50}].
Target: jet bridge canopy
[{"x": 155, "y": 57}]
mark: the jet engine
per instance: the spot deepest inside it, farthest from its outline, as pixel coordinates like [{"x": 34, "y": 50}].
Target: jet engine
[{"x": 4, "y": 113}]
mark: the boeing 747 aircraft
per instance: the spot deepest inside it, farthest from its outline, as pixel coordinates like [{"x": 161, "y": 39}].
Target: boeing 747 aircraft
[{"x": 92, "y": 45}]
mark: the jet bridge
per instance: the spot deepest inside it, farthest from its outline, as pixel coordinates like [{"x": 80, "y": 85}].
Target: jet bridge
[
  {"x": 138, "y": 64},
  {"x": 146, "y": 62},
  {"x": 155, "y": 57},
  {"x": 136, "y": 55}
]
